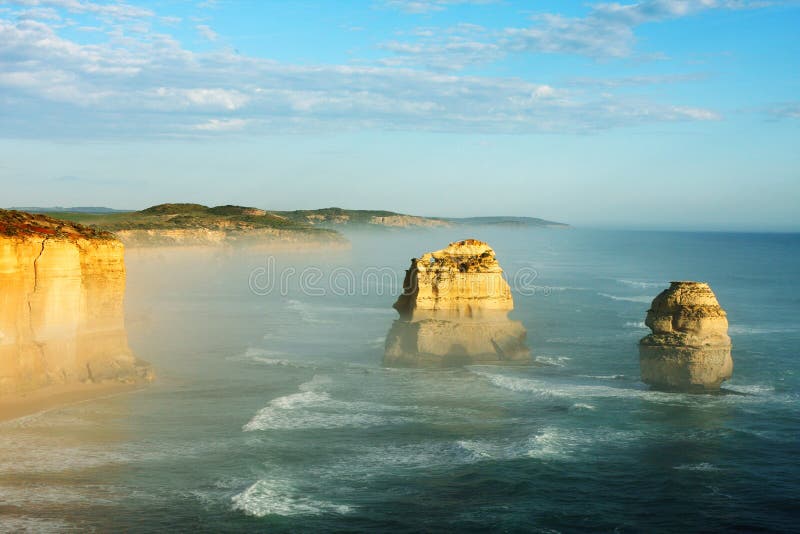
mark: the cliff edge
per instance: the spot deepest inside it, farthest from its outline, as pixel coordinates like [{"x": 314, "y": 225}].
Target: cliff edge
[{"x": 62, "y": 287}]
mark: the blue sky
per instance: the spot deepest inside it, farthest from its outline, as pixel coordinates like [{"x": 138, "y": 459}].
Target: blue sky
[{"x": 657, "y": 114}]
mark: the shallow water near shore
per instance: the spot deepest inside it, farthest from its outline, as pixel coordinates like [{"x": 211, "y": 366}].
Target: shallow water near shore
[{"x": 273, "y": 411}]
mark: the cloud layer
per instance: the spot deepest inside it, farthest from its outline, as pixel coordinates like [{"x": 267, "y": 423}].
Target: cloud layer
[{"x": 136, "y": 81}]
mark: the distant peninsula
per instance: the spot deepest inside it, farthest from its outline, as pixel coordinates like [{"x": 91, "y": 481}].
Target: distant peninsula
[
  {"x": 186, "y": 224},
  {"x": 183, "y": 224}
]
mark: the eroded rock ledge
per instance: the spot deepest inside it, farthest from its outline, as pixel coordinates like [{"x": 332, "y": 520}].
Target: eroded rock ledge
[
  {"x": 689, "y": 347},
  {"x": 454, "y": 311},
  {"x": 62, "y": 288}
]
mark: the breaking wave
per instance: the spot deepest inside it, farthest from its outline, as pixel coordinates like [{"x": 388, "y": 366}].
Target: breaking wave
[
  {"x": 640, "y": 284},
  {"x": 745, "y": 330},
  {"x": 313, "y": 408},
  {"x": 704, "y": 466},
  {"x": 277, "y": 497},
  {"x": 556, "y": 361},
  {"x": 267, "y": 357}
]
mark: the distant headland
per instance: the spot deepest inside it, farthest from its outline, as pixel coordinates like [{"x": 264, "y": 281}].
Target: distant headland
[{"x": 186, "y": 224}]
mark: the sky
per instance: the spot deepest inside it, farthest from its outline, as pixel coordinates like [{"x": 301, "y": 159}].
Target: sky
[{"x": 657, "y": 114}]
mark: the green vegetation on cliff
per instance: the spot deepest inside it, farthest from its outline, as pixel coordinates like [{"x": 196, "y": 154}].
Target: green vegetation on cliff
[
  {"x": 186, "y": 217},
  {"x": 22, "y": 224}
]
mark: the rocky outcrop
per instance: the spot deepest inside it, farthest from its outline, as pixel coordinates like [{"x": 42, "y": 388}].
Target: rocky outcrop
[
  {"x": 689, "y": 348},
  {"x": 463, "y": 279},
  {"x": 61, "y": 306},
  {"x": 454, "y": 311}
]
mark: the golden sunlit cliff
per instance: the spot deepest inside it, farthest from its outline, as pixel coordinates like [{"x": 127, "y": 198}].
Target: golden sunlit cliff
[{"x": 62, "y": 288}]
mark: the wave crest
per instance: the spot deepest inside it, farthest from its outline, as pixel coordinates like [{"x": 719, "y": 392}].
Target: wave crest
[{"x": 275, "y": 497}]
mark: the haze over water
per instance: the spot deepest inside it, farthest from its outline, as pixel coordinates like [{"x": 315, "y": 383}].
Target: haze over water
[{"x": 274, "y": 412}]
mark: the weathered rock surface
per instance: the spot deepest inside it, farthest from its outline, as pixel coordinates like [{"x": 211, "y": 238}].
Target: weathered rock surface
[
  {"x": 454, "y": 311},
  {"x": 464, "y": 279},
  {"x": 689, "y": 347},
  {"x": 61, "y": 306}
]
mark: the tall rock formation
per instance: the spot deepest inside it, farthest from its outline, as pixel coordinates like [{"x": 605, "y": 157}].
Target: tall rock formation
[
  {"x": 454, "y": 311},
  {"x": 61, "y": 306},
  {"x": 689, "y": 348}
]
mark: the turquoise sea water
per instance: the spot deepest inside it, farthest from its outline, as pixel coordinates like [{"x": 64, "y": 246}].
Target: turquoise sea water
[{"x": 273, "y": 412}]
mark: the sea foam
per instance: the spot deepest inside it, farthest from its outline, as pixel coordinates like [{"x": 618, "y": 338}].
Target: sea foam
[
  {"x": 276, "y": 497},
  {"x": 646, "y": 299},
  {"x": 703, "y": 466},
  {"x": 312, "y": 407},
  {"x": 641, "y": 285}
]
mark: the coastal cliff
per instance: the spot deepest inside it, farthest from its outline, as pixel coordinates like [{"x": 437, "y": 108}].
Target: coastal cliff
[
  {"x": 62, "y": 288},
  {"x": 454, "y": 311},
  {"x": 689, "y": 347},
  {"x": 195, "y": 225}
]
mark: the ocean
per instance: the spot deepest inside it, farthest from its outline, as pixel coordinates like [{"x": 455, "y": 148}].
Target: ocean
[{"x": 273, "y": 412}]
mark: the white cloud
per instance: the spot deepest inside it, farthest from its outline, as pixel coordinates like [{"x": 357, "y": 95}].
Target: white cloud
[
  {"x": 221, "y": 125},
  {"x": 119, "y": 10},
  {"x": 606, "y": 31},
  {"x": 207, "y": 32},
  {"x": 629, "y": 81},
  {"x": 39, "y": 13},
  {"x": 428, "y": 6},
  {"x": 788, "y": 110},
  {"x": 211, "y": 99},
  {"x": 544, "y": 91},
  {"x": 51, "y": 86},
  {"x": 454, "y": 53},
  {"x": 695, "y": 113}
]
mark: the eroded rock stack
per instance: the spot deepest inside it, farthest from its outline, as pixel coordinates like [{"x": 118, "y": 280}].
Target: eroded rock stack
[
  {"x": 689, "y": 348},
  {"x": 454, "y": 311},
  {"x": 61, "y": 306}
]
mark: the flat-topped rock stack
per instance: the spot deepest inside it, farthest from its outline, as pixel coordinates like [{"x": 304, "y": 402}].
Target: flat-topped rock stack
[
  {"x": 454, "y": 311},
  {"x": 464, "y": 278},
  {"x": 689, "y": 347}
]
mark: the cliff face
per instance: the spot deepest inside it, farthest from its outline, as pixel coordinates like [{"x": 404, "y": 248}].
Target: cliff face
[
  {"x": 408, "y": 221},
  {"x": 61, "y": 306},
  {"x": 689, "y": 348},
  {"x": 453, "y": 311},
  {"x": 232, "y": 237}
]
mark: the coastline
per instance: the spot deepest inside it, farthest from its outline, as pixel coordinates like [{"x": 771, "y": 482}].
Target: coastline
[{"x": 54, "y": 397}]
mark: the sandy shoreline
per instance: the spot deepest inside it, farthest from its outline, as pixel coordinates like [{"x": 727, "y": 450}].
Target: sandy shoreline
[{"x": 53, "y": 397}]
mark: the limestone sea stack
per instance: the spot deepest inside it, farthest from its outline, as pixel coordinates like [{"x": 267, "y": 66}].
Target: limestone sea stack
[
  {"x": 464, "y": 279},
  {"x": 454, "y": 311},
  {"x": 689, "y": 348},
  {"x": 61, "y": 307}
]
